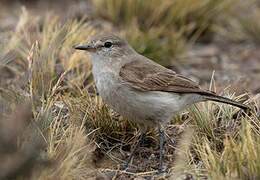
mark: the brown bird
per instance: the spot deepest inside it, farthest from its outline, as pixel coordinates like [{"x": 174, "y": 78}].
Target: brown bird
[{"x": 140, "y": 89}]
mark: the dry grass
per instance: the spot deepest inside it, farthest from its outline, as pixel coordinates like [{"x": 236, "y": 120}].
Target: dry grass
[
  {"x": 71, "y": 120},
  {"x": 160, "y": 29},
  {"x": 49, "y": 69},
  {"x": 226, "y": 142}
]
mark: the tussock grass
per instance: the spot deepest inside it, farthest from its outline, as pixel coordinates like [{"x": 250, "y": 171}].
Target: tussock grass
[
  {"x": 226, "y": 142},
  {"x": 49, "y": 68},
  {"x": 70, "y": 150},
  {"x": 159, "y": 29},
  {"x": 238, "y": 157}
]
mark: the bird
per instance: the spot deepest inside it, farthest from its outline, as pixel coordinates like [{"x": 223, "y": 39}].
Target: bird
[{"x": 140, "y": 89}]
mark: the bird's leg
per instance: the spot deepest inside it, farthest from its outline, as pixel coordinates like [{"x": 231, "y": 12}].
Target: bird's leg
[
  {"x": 161, "y": 133},
  {"x": 140, "y": 140}
]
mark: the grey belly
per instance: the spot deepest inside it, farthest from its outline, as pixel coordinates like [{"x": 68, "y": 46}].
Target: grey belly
[{"x": 145, "y": 108}]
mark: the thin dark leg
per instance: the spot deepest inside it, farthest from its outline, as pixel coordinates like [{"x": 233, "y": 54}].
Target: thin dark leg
[
  {"x": 140, "y": 140},
  {"x": 161, "y": 132}
]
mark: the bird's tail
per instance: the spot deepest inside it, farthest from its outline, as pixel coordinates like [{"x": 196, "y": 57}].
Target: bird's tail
[{"x": 225, "y": 100}]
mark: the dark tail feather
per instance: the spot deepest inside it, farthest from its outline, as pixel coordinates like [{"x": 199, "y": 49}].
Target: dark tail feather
[{"x": 226, "y": 100}]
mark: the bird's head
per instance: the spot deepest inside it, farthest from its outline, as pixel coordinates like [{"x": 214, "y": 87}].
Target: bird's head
[{"x": 106, "y": 46}]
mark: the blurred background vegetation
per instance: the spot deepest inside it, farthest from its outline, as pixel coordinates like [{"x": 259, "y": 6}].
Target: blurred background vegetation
[
  {"x": 54, "y": 125},
  {"x": 160, "y": 29}
]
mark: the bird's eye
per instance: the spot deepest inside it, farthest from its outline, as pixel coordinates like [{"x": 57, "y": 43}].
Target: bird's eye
[{"x": 107, "y": 44}]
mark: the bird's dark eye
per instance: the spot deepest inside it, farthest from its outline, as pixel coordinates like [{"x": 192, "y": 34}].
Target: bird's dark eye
[{"x": 108, "y": 44}]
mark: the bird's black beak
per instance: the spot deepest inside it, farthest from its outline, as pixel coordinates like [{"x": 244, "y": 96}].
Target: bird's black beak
[{"x": 86, "y": 47}]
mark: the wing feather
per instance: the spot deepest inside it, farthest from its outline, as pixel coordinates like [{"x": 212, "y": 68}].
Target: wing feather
[{"x": 145, "y": 75}]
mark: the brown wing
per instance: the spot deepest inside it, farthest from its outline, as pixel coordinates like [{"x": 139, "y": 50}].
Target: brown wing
[{"x": 146, "y": 75}]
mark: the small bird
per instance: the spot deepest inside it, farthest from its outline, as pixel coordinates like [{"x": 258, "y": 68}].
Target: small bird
[{"x": 141, "y": 90}]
